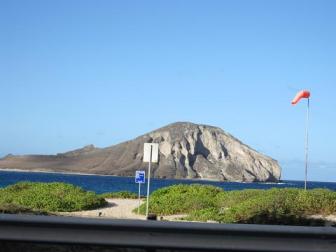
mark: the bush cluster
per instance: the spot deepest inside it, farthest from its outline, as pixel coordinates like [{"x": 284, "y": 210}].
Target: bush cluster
[
  {"x": 47, "y": 197},
  {"x": 278, "y": 206},
  {"x": 17, "y": 209},
  {"x": 119, "y": 195},
  {"x": 274, "y": 206},
  {"x": 181, "y": 199}
]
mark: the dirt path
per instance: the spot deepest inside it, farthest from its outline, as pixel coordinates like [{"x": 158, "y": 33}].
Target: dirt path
[
  {"x": 117, "y": 209},
  {"x": 329, "y": 218}
]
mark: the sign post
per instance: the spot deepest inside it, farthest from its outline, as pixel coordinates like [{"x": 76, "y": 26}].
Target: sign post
[
  {"x": 140, "y": 179},
  {"x": 151, "y": 154}
]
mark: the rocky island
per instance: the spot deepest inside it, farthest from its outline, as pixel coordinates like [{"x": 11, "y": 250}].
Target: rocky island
[{"x": 186, "y": 150}]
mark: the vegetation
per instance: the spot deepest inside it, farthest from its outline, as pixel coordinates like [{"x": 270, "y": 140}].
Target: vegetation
[
  {"x": 199, "y": 202},
  {"x": 47, "y": 197},
  {"x": 17, "y": 209},
  {"x": 181, "y": 199},
  {"x": 120, "y": 195},
  {"x": 275, "y": 206}
]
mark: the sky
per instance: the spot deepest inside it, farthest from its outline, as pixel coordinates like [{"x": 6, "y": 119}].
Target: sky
[{"x": 74, "y": 73}]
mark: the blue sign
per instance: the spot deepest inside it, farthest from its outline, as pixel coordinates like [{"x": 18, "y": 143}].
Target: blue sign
[{"x": 140, "y": 177}]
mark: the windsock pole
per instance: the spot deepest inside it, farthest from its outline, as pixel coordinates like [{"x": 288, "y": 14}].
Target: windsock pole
[
  {"x": 306, "y": 145},
  {"x": 304, "y": 94}
]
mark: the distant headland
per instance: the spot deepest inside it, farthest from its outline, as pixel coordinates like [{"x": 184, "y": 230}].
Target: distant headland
[{"x": 186, "y": 150}]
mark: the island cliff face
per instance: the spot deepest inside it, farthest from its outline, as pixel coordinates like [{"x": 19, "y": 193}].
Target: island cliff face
[{"x": 186, "y": 150}]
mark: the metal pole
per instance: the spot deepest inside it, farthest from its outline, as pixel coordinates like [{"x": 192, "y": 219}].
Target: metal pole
[
  {"x": 139, "y": 200},
  {"x": 306, "y": 146},
  {"x": 148, "y": 183}
]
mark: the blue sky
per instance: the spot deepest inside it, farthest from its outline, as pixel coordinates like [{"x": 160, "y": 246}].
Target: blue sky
[{"x": 74, "y": 73}]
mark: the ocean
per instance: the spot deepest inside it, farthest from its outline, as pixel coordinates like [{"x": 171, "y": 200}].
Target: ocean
[{"x": 102, "y": 184}]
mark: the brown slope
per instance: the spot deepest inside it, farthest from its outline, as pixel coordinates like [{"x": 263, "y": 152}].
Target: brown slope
[{"x": 186, "y": 151}]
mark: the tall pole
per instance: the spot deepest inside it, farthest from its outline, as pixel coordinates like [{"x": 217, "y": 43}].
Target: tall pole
[
  {"x": 148, "y": 183},
  {"x": 306, "y": 145},
  {"x": 139, "y": 199}
]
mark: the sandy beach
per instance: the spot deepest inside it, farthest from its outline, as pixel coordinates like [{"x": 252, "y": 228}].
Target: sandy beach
[{"x": 118, "y": 209}]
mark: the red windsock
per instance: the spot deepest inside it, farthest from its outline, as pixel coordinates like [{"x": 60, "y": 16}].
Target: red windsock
[{"x": 300, "y": 95}]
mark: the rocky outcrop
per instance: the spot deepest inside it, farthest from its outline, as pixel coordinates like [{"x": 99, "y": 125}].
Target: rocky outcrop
[{"x": 186, "y": 150}]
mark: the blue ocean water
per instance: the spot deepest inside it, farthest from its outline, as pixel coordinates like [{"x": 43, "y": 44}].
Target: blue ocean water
[{"x": 101, "y": 184}]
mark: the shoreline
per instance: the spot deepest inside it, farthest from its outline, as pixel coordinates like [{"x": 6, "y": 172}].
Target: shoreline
[
  {"x": 282, "y": 181},
  {"x": 58, "y": 172},
  {"x": 105, "y": 175}
]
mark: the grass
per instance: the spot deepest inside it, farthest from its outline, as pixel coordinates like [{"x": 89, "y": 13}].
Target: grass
[
  {"x": 119, "y": 195},
  {"x": 275, "y": 206},
  {"x": 47, "y": 197}
]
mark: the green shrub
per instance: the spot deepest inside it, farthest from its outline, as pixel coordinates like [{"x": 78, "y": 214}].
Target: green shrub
[
  {"x": 318, "y": 201},
  {"x": 179, "y": 199},
  {"x": 120, "y": 195},
  {"x": 17, "y": 209},
  {"x": 230, "y": 198},
  {"x": 206, "y": 214},
  {"x": 280, "y": 206},
  {"x": 289, "y": 206},
  {"x": 49, "y": 197}
]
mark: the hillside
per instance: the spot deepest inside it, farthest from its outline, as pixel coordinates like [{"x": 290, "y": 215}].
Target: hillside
[{"x": 187, "y": 150}]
